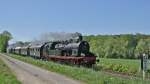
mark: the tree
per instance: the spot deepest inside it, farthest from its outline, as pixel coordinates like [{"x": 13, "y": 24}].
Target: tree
[
  {"x": 142, "y": 47},
  {"x": 4, "y": 38},
  {"x": 119, "y": 46}
]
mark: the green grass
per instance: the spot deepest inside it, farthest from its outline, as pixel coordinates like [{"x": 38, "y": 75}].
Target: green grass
[
  {"x": 6, "y": 76},
  {"x": 121, "y": 65},
  {"x": 85, "y": 75}
]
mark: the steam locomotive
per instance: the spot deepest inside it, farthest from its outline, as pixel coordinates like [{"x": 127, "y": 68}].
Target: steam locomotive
[{"x": 73, "y": 51}]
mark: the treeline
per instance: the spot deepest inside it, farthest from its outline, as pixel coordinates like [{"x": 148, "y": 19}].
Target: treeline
[
  {"x": 4, "y": 38},
  {"x": 119, "y": 46}
]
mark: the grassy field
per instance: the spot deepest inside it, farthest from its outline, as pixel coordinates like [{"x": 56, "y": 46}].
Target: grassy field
[
  {"x": 121, "y": 65},
  {"x": 83, "y": 74},
  {"x": 6, "y": 77}
]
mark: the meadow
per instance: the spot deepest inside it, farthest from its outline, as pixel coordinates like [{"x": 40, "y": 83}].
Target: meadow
[
  {"x": 6, "y": 76},
  {"x": 87, "y": 76},
  {"x": 128, "y": 66}
]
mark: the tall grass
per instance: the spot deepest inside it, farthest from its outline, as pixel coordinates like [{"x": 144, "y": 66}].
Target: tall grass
[
  {"x": 121, "y": 65},
  {"x": 88, "y": 76},
  {"x": 6, "y": 76}
]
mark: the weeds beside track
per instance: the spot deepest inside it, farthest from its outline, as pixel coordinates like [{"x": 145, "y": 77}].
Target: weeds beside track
[{"x": 6, "y": 76}]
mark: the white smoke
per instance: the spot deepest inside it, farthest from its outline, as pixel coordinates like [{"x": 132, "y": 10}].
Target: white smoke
[{"x": 58, "y": 36}]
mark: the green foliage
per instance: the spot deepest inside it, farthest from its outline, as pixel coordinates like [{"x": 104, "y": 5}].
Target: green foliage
[
  {"x": 4, "y": 38},
  {"x": 119, "y": 46},
  {"x": 6, "y": 76},
  {"x": 83, "y": 74}
]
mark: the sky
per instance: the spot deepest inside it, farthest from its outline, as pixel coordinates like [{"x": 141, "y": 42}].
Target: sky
[{"x": 27, "y": 19}]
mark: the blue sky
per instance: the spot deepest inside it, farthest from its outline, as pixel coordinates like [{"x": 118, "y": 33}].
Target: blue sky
[{"x": 27, "y": 19}]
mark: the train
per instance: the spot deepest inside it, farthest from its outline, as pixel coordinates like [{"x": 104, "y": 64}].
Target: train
[{"x": 73, "y": 51}]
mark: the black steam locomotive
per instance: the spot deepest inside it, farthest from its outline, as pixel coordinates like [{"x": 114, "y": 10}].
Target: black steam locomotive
[{"x": 73, "y": 51}]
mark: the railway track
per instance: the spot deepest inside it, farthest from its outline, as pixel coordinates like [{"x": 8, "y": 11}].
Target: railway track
[{"x": 119, "y": 74}]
